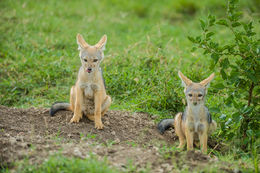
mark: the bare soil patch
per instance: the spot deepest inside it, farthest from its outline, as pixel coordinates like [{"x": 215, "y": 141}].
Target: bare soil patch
[{"x": 33, "y": 134}]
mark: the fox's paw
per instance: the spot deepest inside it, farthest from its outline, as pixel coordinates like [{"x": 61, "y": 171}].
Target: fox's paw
[
  {"x": 181, "y": 147},
  {"x": 74, "y": 119},
  {"x": 99, "y": 125}
]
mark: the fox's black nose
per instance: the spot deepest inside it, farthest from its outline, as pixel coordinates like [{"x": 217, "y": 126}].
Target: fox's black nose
[
  {"x": 89, "y": 70},
  {"x": 195, "y": 103}
]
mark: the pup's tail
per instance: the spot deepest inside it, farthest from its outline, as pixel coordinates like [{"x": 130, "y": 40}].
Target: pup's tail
[
  {"x": 59, "y": 106},
  {"x": 164, "y": 125}
]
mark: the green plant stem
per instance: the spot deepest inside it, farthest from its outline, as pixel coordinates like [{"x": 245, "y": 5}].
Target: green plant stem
[{"x": 250, "y": 93}]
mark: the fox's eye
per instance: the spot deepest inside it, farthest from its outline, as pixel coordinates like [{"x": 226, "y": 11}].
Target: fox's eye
[
  {"x": 85, "y": 60},
  {"x": 200, "y": 95},
  {"x": 95, "y": 60},
  {"x": 190, "y": 95}
]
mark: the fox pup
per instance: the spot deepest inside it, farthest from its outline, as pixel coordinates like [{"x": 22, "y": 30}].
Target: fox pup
[
  {"x": 88, "y": 96},
  {"x": 195, "y": 123}
]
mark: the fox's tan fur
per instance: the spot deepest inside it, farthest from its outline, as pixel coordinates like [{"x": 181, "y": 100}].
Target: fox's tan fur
[
  {"x": 88, "y": 96},
  {"x": 195, "y": 124}
]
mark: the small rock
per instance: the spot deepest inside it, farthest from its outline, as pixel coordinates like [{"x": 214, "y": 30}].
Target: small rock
[
  {"x": 236, "y": 170},
  {"x": 24, "y": 145},
  {"x": 107, "y": 123},
  {"x": 154, "y": 117},
  {"x": 158, "y": 170},
  {"x": 113, "y": 133},
  {"x": 111, "y": 151},
  {"x": 77, "y": 152},
  {"x": 19, "y": 138},
  {"x": 167, "y": 167},
  {"x": 117, "y": 141},
  {"x": 12, "y": 140},
  {"x": 156, "y": 148}
]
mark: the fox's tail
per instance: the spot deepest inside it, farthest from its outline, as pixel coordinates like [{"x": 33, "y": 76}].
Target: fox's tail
[
  {"x": 59, "y": 106},
  {"x": 165, "y": 124}
]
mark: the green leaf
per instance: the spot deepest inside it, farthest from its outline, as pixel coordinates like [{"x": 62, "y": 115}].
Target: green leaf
[
  {"x": 215, "y": 57},
  {"x": 235, "y": 24},
  {"x": 223, "y": 74},
  {"x": 193, "y": 49},
  {"x": 212, "y": 20},
  {"x": 225, "y": 63},
  {"x": 219, "y": 86},
  {"x": 249, "y": 133},
  {"x": 208, "y": 35},
  {"x": 192, "y": 39},
  {"x": 202, "y": 24},
  {"x": 222, "y": 22},
  {"x": 225, "y": 47},
  {"x": 214, "y": 109}
]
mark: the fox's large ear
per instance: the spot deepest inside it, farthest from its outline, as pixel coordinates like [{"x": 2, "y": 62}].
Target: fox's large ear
[
  {"x": 81, "y": 42},
  {"x": 102, "y": 43},
  {"x": 206, "y": 82},
  {"x": 185, "y": 81}
]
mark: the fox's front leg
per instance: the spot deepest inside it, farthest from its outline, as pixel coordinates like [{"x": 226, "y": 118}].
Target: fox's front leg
[
  {"x": 204, "y": 142},
  {"x": 203, "y": 129},
  {"x": 78, "y": 106},
  {"x": 189, "y": 133},
  {"x": 97, "y": 114}
]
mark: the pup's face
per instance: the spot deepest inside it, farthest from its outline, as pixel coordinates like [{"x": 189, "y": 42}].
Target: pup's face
[
  {"x": 195, "y": 92},
  {"x": 91, "y": 56}
]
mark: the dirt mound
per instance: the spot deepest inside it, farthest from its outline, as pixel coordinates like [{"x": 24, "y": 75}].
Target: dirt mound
[
  {"x": 119, "y": 126},
  {"x": 33, "y": 134},
  {"x": 23, "y": 129}
]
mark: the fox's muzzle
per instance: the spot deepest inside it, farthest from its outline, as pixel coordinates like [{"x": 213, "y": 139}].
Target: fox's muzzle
[{"x": 89, "y": 70}]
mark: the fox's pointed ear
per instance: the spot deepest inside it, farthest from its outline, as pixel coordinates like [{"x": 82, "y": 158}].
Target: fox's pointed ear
[
  {"x": 102, "y": 43},
  {"x": 206, "y": 82},
  {"x": 185, "y": 81},
  {"x": 81, "y": 42}
]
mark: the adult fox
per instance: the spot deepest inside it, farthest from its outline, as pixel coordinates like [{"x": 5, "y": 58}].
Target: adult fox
[{"x": 88, "y": 96}]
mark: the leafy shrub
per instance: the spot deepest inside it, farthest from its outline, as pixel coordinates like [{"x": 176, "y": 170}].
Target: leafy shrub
[{"x": 238, "y": 60}]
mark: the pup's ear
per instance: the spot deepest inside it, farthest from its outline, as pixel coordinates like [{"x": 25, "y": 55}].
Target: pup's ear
[
  {"x": 102, "y": 43},
  {"x": 206, "y": 82},
  {"x": 185, "y": 81},
  {"x": 81, "y": 42}
]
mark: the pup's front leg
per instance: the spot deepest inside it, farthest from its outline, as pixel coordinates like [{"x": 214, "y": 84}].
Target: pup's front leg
[
  {"x": 204, "y": 142},
  {"x": 189, "y": 133},
  {"x": 97, "y": 114},
  {"x": 78, "y": 106}
]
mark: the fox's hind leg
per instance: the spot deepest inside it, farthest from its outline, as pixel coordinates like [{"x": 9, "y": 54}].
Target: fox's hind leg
[
  {"x": 106, "y": 104},
  {"x": 178, "y": 130},
  {"x": 104, "y": 107}
]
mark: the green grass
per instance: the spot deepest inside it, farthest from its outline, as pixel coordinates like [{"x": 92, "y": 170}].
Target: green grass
[
  {"x": 60, "y": 164},
  {"x": 147, "y": 45}
]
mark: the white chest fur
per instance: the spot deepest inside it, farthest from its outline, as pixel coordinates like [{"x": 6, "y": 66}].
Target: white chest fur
[
  {"x": 196, "y": 115},
  {"x": 89, "y": 89}
]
